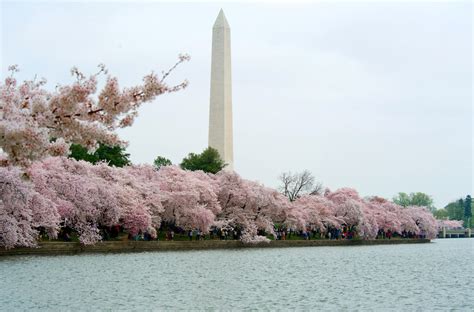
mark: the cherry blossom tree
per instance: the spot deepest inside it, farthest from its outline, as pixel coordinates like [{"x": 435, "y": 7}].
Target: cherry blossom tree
[
  {"x": 189, "y": 198},
  {"x": 319, "y": 212},
  {"x": 271, "y": 209},
  {"x": 90, "y": 196},
  {"x": 354, "y": 211},
  {"x": 249, "y": 206},
  {"x": 85, "y": 197},
  {"x": 368, "y": 227},
  {"x": 35, "y": 123},
  {"x": 347, "y": 205},
  {"x": 450, "y": 224},
  {"x": 138, "y": 197},
  {"x": 294, "y": 217},
  {"x": 238, "y": 207},
  {"x": 81, "y": 199},
  {"x": 23, "y": 211},
  {"x": 386, "y": 214},
  {"x": 424, "y": 221}
]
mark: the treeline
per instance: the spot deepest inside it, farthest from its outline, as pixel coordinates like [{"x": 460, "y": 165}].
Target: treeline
[
  {"x": 461, "y": 209},
  {"x": 58, "y": 192}
]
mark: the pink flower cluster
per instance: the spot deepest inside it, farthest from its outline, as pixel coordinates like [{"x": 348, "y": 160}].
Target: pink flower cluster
[
  {"x": 35, "y": 123},
  {"x": 23, "y": 210},
  {"x": 58, "y": 191},
  {"x": 450, "y": 224}
]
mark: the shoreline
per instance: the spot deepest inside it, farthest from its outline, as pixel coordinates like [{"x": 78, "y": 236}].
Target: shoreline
[{"x": 73, "y": 248}]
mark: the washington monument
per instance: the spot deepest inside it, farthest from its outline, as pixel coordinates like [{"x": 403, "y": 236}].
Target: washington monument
[{"x": 220, "y": 111}]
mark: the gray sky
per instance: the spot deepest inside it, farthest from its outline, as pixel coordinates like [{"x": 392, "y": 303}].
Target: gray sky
[{"x": 375, "y": 96}]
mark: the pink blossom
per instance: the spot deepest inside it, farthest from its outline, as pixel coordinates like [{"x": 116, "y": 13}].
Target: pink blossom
[
  {"x": 189, "y": 198},
  {"x": 23, "y": 211},
  {"x": 354, "y": 211},
  {"x": 450, "y": 224},
  {"x": 424, "y": 220},
  {"x": 86, "y": 197},
  {"x": 31, "y": 116},
  {"x": 248, "y": 206}
]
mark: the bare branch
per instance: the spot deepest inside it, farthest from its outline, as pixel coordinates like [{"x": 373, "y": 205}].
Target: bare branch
[
  {"x": 293, "y": 185},
  {"x": 182, "y": 58}
]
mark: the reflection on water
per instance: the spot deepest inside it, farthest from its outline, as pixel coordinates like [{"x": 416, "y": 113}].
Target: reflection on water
[{"x": 436, "y": 276}]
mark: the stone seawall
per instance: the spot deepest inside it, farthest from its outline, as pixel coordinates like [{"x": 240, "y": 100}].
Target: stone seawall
[{"x": 67, "y": 248}]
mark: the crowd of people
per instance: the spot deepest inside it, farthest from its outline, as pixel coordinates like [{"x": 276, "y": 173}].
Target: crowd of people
[{"x": 172, "y": 233}]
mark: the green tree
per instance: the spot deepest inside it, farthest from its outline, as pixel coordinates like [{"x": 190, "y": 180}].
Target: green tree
[
  {"x": 112, "y": 155},
  {"x": 455, "y": 209},
  {"x": 161, "y": 161},
  {"x": 441, "y": 214},
  {"x": 402, "y": 199},
  {"x": 208, "y": 161},
  {"x": 414, "y": 199},
  {"x": 468, "y": 211}
]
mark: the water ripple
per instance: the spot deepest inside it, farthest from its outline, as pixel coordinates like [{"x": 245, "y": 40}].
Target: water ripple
[{"x": 436, "y": 276}]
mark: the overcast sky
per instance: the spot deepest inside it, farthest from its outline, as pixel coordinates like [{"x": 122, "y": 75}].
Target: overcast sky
[{"x": 374, "y": 96}]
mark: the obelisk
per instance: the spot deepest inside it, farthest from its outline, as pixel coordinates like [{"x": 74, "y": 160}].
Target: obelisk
[{"x": 220, "y": 111}]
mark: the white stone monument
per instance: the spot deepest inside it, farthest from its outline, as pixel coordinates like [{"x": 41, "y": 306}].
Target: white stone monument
[{"x": 220, "y": 111}]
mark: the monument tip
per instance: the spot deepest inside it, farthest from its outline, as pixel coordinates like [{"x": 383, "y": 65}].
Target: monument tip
[{"x": 221, "y": 20}]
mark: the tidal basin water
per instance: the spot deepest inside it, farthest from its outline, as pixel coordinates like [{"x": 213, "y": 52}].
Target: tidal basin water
[{"x": 420, "y": 277}]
